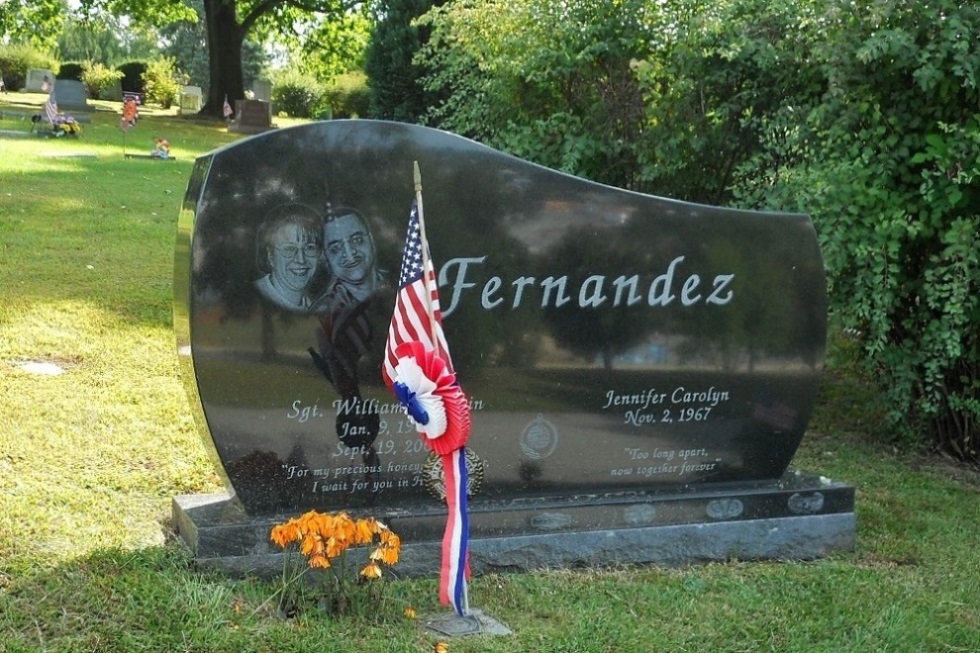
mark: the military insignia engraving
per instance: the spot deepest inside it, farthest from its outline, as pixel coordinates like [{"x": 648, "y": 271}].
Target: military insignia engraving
[
  {"x": 434, "y": 478},
  {"x": 539, "y": 439}
]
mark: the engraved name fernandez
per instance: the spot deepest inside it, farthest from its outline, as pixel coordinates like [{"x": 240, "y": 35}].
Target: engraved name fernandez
[{"x": 593, "y": 292}]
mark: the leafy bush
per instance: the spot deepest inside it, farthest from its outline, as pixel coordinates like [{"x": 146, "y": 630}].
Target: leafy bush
[
  {"x": 71, "y": 70},
  {"x": 101, "y": 81},
  {"x": 885, "y": 155},
  {"x": 299, "y": 96},
  {"x": 348, "y": 96},
  {"x": 132, "y": 79},
  {"x": 162, "y": 82},
  {"x": 16, "y": 60}
]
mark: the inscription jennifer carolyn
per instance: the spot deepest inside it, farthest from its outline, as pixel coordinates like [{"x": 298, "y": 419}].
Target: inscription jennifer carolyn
[{"x": 680, "y": 404}]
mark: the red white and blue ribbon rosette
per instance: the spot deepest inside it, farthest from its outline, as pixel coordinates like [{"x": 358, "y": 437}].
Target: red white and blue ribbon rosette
[{"x": 426, "y": 385}]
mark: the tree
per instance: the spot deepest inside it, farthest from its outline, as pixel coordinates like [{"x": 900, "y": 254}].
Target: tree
[
  {"x": 37, "y": 22},
  {"x": 104, "y": 39},
  {"x": 551, "y": 82},
  {"x": 227, "y": 22},
  {"x": 186, "y": 41},
  {"x": 394, "y": 77}
]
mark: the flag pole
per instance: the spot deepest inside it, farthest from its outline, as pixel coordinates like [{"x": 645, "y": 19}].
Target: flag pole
[
  {"x": 457, "y": 502},
  {"x": 426, "y": 258}
]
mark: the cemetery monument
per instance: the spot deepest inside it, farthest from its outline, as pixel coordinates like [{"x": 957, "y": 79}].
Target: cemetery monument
[{"x": 640, "y": 370}]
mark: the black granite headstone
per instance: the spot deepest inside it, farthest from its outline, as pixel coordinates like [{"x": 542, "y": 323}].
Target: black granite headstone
[{"x": 624, "y": 355}]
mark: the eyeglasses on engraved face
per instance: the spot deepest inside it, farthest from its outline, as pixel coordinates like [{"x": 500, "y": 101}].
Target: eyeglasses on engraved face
[{"x": 290, "y": 252}]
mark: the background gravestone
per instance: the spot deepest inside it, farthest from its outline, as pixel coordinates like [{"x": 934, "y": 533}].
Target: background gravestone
[
  {"x": 641, "y": 371},
  {"x": 34, "y": 83},
  {"x": 190, "y": 99},
  {"x": 262, "y": 88},
  {"x": 251, "y": 117},
  {"x": 71, "y": 95}
]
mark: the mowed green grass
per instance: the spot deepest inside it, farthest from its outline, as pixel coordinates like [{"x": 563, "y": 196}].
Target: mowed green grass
[{"x": 90, "y": 459}]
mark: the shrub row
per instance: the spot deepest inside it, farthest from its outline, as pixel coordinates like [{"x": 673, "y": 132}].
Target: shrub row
[{"x": 302, "y": 96}]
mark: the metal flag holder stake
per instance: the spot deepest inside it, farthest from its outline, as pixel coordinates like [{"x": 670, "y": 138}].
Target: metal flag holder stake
[{"x": 475, "y": 622}]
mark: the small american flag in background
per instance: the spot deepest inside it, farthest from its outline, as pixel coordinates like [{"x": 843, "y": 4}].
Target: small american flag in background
[
  {"x": 51, "y": 108},
  {"x": 227, "y": 110},
  {"x": 417, "y": 315}
]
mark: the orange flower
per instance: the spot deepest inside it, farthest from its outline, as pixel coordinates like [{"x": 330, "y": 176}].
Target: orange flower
[
  {"x": 323, "y": 537},
  {"x": 441, "y": 647},
  {"x": 371, "y": 571},
  {"x": 344, "y": 528},
  {"x": 335, "y": 547},
  {"x": 410, "y": 612},
  {"x": 390, "y": 539},
  {"x": 385, "y": 554},
  {"x": 389, "y": 556},
  {"x": 319, "y": 561},
  {"x": 364, "y": 532},
  {"x": 279, "y": 536},
  {"x": 311, "y": 544}
]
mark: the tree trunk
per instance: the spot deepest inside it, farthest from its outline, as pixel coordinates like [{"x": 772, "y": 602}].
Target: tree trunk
[{"x": 225, "y": 38}]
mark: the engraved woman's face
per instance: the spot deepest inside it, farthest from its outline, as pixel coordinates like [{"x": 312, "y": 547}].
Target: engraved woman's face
[
  {"x": 349, "y": 249},
  {"x": 293, "y": 256}
]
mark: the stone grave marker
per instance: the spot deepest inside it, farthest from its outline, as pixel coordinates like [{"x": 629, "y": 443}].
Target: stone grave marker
[
  {"x": 71, "y": 95},
  {"x": 251, "y": 117},
  {"x": 640, "y": 370},
  {"x": 190, "y": 99},
  {"x": 34, "y": 83},
  {"x": 262, "y": 89}
]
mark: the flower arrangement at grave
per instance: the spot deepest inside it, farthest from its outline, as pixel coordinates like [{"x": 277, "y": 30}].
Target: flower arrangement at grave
[
  {"x": 323, "y": 540},
  {"x": 65, "y": 126},
  {"x": 161, "y": 149}
]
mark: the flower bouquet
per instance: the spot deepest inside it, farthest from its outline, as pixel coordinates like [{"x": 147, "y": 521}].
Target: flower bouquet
[
  {"x": 323, "y": 539},
  {"x": 161, "y": 149},
  {"x": 65, "y": 126}
]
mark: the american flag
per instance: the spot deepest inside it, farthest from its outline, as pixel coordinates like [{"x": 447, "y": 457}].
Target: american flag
[
  {"x": 226, "y": 109},
  {"x": 51, "y": 109},
  {"x": 417, "y": 315}
]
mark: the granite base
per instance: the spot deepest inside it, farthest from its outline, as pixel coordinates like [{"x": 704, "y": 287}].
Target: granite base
[{"x": 800, "y": 517}]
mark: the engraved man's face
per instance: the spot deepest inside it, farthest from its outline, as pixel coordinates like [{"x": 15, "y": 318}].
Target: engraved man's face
[
  {"x": 349, "y": 249},
  {"x": 293, "y": 255}
]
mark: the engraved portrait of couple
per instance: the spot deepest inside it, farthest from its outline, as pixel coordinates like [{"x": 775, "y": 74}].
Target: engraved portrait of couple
[{"x": 314, "y": 263}]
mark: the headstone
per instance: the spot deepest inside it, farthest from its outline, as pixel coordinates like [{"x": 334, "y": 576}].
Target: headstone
[
  {"x": 71, "y": 96},
  {"x": 114, "y": 92},
  {"x": 251, "y": 117},
  {"x": 262, "y": 89},
  {"x": 36, "y": 78},
  {"x": 640, "y": 370},
  {"x": 190, "y": 99}
]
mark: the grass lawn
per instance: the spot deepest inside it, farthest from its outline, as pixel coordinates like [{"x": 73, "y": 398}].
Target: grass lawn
[{"x": 90, "y": 458}]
